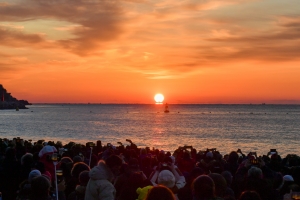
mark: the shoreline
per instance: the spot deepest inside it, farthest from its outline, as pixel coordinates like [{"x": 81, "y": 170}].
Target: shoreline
[
  {"x": 196, "y": 104},
  {"x": 127, "y": 144}
]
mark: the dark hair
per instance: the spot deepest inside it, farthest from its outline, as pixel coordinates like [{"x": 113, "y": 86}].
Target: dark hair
[
  {"x": 84, "y": 178},
  {"x": 228, "y": 177},
  {"x": 10, "y": 153},
  {"x": 278, "y": 180},
  {"x": 160, "y": 192},
  {"x": 78, "y": 168},
  {"x": 220, "y": 184},
  {"x": 27, "y": 159},
  {"x": 113, "y": 161},
  {"x": 233, "y": 157},
  {"x": 249, "y": 195},
  {"x": 197, "y": 171},
  {"x": 203, "y": 187},
  {"x": 39, "y": 188},
  {"x": 77, "y": 159},
  {"x": 66, "y": 159}
]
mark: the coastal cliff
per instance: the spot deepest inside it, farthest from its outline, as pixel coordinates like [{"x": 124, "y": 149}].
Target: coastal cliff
[{"x": 7, "y": 101}]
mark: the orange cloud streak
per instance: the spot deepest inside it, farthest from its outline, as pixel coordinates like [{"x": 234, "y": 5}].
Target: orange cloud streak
[{"x": 126, "y": 51}]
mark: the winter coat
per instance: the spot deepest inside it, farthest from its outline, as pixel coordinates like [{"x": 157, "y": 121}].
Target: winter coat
[
  {"x": 100, "y": 185},
  {"x": 49, "y": 166},
  {"x": 9, "y": 178}
]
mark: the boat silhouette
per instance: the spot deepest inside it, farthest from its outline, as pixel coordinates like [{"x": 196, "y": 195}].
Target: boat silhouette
[{"x": 166, "y": 108}]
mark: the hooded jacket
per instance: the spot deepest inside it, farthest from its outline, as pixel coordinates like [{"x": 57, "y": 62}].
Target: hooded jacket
[{"x": 99, "y": 186}]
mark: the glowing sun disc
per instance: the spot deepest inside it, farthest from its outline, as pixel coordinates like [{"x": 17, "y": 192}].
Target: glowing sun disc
[{"x": 159, "y": 98}]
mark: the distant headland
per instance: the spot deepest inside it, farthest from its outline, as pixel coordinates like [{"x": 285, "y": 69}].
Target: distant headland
[{"x": 7, "y": 101}]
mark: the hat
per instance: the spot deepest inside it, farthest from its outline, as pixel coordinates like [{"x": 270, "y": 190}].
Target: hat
[
  {"x": 33, "y": 174},
  {"x": 288, "y": 178},
  {"x": 209, "y": 154},
  {"x": 47, "y": 149},
  {"x": 166, "y": 178},
  {"x": 142, "y": 192}
]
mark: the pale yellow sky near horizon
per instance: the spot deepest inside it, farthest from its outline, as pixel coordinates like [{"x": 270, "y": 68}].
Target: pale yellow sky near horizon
[{"x": 126, "y": 51}]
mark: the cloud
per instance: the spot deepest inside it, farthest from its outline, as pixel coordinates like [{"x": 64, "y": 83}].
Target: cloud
[
  {"x": 10, "y": 64},
  {"x": 95, "y": 22},
  {"x": 280, "y": 44},
  {"x": 12, "y": 26},
  {"x": 16, "y": 38},
  {"x": 174, "y": 38}
]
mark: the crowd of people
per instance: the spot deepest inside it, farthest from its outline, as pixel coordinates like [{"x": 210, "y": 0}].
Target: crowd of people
[{"x": 51, "y": 170}]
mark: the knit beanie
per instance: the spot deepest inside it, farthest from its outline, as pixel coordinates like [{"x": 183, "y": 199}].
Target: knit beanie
[{"x": 33, "y": 174}]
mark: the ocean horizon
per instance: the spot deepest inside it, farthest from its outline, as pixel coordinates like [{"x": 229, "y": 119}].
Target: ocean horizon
[{"x": 227, "y": 127}]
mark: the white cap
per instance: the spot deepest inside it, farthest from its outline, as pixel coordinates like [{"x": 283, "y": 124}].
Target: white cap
[
  {"x": 288, "y": 178},
  {"x": 166, "y": 178}
]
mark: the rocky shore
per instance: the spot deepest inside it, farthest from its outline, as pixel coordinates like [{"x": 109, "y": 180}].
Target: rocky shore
[{"x": 7, "y": 101}]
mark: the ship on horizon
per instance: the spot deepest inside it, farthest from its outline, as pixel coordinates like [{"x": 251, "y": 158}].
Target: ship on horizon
[{"x": 166, "y": 108}]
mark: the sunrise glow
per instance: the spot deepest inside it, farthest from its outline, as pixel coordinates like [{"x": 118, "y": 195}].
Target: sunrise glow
[{"x": 206, "y": 52}]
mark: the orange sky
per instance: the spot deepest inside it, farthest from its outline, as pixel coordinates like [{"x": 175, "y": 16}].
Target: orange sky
[{"x": 126, "y": 51}]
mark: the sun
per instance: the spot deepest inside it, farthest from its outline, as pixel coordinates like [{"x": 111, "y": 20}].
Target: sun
[{"x": 159, "y": 98}]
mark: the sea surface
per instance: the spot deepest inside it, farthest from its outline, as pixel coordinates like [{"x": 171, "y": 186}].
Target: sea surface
[{"x": 225, "y": 127}]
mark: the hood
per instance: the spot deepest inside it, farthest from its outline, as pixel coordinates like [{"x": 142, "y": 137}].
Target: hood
[
  {"x": 47, "y": 150},
  {"x": 101, "y": 172}
]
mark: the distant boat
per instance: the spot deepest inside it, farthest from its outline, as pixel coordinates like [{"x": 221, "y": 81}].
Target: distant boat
[{"x": 166, "y": 108}]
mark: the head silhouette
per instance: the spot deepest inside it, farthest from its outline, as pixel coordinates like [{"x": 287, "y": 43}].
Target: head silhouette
[
  {"x": 203, "y": 187},
  {"x": 160, "y": 192}
]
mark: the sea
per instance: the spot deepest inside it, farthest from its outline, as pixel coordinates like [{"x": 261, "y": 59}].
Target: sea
[{"x": 251, "y": 128}]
